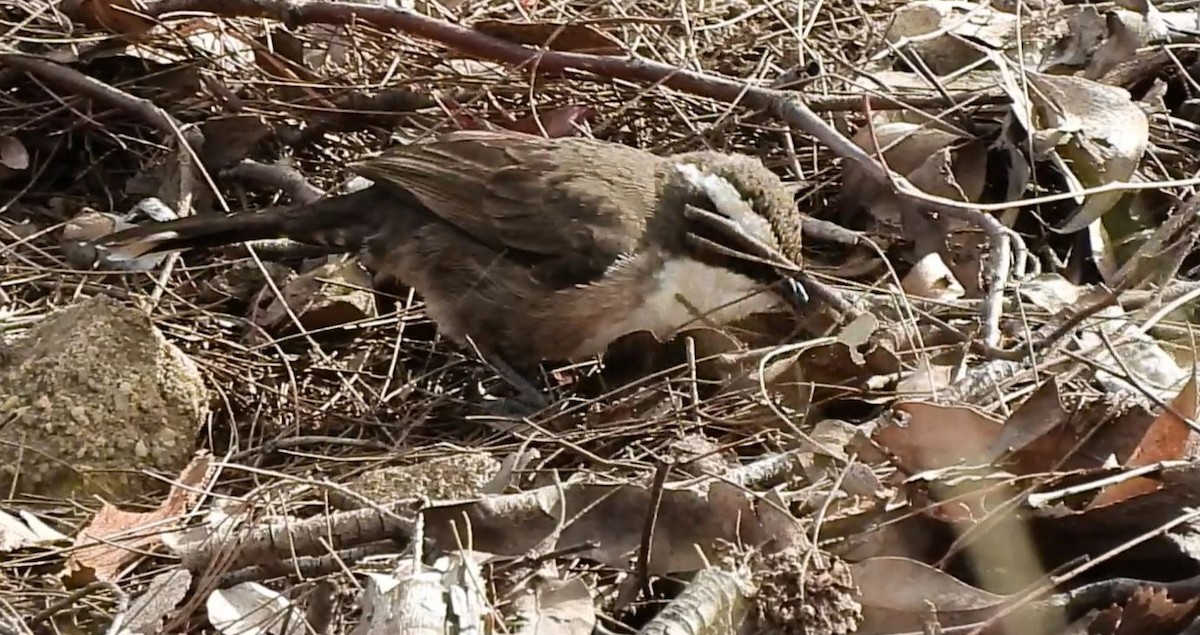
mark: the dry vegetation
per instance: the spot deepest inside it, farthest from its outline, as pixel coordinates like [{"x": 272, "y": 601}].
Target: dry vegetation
[{"x": 984, "y": 424}]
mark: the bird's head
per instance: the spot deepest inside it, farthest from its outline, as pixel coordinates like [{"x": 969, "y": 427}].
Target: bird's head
[
  {"x": 764, "y": 193},
  {"x": 734, "y": 206}
]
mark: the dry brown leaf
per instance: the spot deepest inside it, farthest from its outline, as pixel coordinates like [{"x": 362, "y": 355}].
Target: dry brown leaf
[
  {"x": 936, "y": 436},
  {"x": 1163, "y": 440},
  {"x": 161, "y": 596},
  {"x": 1149, "y": 611},
  {"x": 333, "y": 294},
  {"x": 125, "y": 17},
  {"x": 1040, "y": 414},
  {"x": 556, "y": 608},
  {"x": 898, "y": 594},
  {"x": 231, "y": 138},
  {"x": 557, "y": 122},
  {"x": 114, "y": 537}
]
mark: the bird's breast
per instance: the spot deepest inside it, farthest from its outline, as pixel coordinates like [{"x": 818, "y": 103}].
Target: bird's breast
[{"x": 667, "y": 296}]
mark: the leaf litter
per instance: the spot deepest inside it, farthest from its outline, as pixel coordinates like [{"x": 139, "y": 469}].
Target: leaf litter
[{"x": 986, "y": 422}]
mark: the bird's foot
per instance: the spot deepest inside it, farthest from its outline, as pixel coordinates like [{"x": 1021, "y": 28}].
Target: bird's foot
[{"x": 529, "y": 399}]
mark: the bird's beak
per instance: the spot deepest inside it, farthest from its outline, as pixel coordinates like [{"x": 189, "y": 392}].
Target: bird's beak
[{"x": 792, "y": 291}]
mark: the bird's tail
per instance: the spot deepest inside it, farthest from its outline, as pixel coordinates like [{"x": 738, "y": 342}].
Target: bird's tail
[{"x": 342, "y": 222}]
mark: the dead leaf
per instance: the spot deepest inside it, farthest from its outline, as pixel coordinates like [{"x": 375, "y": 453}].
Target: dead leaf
[
  {"x": 1041, "y": 413},
  {"x": 556, "y": 607},
  {"x": 565, "y": 36},
  {"x": 1163, "y": 440},
  {"x": 114, "y": 538},
  {"x": 898, "y": 595},
  {"x": 931, "y": 278},
  {"x": 229, "y": 139},
  {"x": 691, "y": 520},
  {"x": 1096, "y": 130},
  {"x": 557, "y": 122},
  {"x": 26, "y": 530},
  {"x": 87, "y": 226},
  {"x": 333, "y": 294},
  {"x": 223, "y": 46},
  {"x": 925, "y": 381},
  {"x": 250, "y": 608},
  {"x": 13, "y": 154},
  {"x": 1085, "y": 30},
  {"x": 165, "y": 591},
  {"x": 1148, "y": 611},
  {"x": 939, "y": 30},
  {"x": 1051, "y": 292},
  {"x": 942, "y": 162},
  {"x": 125, "y": 17},
  {"x": 934, "y": 436}
]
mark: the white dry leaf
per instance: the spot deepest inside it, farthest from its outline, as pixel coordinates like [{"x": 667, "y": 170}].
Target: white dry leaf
[
  {"x": 407, "y": 601},
  {"x": 1104, "y": 253},
  {"x": 228, "y": 49},
  {"x": 1128, "y": 31},
  {"x": 1180, "y": 20},
  {"x": 936, "y": 30},
  {"x": 26, "y": 530},
  {"x": 556, "y": 607},
  {"x": 13, "y": 154},
  {"x": 222, "y": 519},
  {"x": 1084, "y": 31},
  {"x": 161, "y": 596},
  {"x": 250, "y": 608},
  {"x": 466, "y": 590},
  {"x": 1050, "y": 292},
  {"x": 931, "y": 278},
  {"x": 938, "y": 162},
  {"x": 1099, "y": 133}
]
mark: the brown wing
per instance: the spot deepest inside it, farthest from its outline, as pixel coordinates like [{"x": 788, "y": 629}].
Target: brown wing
[{"x": 543, "y": 198}]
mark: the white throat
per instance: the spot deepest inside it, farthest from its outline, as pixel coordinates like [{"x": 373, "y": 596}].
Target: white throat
[{"x": 710, "y": 295}]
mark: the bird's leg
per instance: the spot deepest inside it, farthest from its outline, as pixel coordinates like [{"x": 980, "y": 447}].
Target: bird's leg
[{"x": 530, "y": 399}]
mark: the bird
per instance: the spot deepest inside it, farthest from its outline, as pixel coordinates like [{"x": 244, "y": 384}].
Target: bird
[{"x": 536, "y": 249}]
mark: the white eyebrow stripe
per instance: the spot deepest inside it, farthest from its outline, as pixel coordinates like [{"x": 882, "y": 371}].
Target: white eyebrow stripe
[
  {"x": 719, "y": 190},
  {"x": 726, "y": 198}
]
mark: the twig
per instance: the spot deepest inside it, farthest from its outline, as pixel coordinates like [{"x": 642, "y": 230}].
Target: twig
[
  {"x": 283, "y": 177},
  {"x": 95, "y": 89},
  {"x": 656, "y": 493},
  {"x": 120, "y": 597}
]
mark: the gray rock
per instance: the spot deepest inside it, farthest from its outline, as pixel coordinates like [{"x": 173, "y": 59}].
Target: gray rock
[{"x": 90, "y": 397}]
